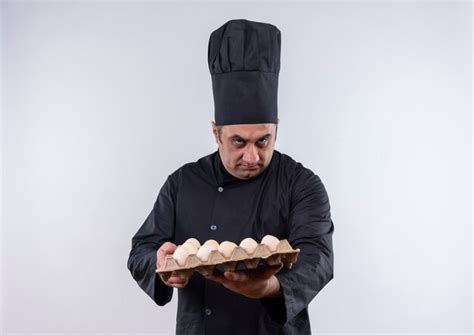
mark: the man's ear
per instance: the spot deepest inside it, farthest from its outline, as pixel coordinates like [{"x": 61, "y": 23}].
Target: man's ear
[
  {"x": 276, "y": 128},
  {"x": 214, "y": 132}
]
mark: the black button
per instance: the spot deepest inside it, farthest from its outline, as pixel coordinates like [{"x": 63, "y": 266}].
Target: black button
[{"x": 208, "y": 311}]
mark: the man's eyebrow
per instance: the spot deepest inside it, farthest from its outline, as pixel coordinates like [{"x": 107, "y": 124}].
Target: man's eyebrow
[
  {"x": 267, "y": 136},
  {"x": 237, "y": 136}
]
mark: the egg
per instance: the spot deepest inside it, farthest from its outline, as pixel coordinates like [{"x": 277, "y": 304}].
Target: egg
[
  {"x": 271, "y": 242},
  {"x": 204, "y": 252},
  {"x": 191, "y": 247},
  {"x": 181, "y": 254},
  {"x": 226, "y": 248},
  {"x": 193, "y": 241},
  {"x": 212, "y": 243},
  {"x": 249, "y": 245}
]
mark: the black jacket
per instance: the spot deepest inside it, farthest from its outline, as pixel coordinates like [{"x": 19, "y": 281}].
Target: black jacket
[{"x": 202, "y": 200}]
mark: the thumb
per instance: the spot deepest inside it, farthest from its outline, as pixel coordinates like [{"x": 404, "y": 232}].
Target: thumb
[{"x": 166, "y": 249}]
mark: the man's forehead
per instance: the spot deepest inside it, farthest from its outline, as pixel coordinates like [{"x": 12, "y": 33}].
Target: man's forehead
[{"x": 249, "y": 130}]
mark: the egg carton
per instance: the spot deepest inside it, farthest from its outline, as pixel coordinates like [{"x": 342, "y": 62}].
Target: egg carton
[{"x": 262, "y": 256}]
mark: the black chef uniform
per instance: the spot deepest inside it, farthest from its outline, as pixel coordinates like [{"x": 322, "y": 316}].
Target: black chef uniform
[{"x": 202, "y": 200}]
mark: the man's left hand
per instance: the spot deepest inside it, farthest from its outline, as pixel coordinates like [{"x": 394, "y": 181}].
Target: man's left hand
[{"x": 256, "y": 283}]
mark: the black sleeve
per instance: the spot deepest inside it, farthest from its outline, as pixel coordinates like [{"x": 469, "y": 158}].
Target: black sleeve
[
  {"x": 157, "y": 229},
  {"x": 310, "y": 229}
]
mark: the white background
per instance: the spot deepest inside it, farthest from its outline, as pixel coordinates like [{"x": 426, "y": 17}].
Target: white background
[{"x": 102, "y": 100}]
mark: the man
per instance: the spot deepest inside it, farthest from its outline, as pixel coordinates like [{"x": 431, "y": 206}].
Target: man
[{"x": 245, "y": 189}]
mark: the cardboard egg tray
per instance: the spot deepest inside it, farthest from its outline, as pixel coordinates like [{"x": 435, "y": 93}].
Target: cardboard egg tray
[{"x": 262, "y": 256}]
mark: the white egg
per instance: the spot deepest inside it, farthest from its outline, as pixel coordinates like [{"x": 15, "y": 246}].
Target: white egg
[
  {"x": 204, "y": 252},
  {"x": 226, "y": 248},
  {"x": 191, "y": 247},
  {"x": 212, "y": 243},
  {"x": 181, "y": 254},
  {"x": 193, "y": 241},
  {"x": 271, "y": 242},
  {"x": 249, "y": 245}
]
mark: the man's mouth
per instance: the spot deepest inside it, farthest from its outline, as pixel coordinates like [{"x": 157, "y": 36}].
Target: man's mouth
[{"x": 250, "y": 168}]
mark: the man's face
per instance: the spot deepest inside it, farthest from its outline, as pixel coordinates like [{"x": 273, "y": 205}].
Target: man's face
[{"x": 246, "y": 149}]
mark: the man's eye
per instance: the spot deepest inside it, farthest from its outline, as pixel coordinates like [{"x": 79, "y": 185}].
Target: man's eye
[
  {"x": 263, "y": 141},
  {"x": 238, "y": 142}
]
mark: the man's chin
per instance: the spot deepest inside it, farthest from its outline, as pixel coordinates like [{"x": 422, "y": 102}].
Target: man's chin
[{"x": 249, "y": 174}]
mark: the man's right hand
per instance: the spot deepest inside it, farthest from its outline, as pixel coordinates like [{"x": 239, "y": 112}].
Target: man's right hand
[{"x": 167, "y": 249}]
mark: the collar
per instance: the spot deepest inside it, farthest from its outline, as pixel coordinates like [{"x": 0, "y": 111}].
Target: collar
[{"x": 222, "y": 176}]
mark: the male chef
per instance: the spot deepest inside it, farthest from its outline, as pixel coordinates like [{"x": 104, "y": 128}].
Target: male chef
[{"x": 244, "y": 189}]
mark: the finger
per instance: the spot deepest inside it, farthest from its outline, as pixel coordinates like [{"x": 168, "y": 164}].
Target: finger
[
  {"x": 276, "y": 268},
  {"x": 182, "y": 276},
  {"x": 217, "y": 278},
  {"x": 176, "y": 280},
  {"x": 270, "y": 271},
  {"x": 177, "y": 285},
  {"x": 236, "y": 276}
]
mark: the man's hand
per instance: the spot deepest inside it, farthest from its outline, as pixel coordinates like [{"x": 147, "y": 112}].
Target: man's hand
[
  {"x": 257, "y": 283},
  {"x": 167, "y": 249}
]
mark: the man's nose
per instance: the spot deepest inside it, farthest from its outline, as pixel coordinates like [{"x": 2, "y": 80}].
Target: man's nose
[{"x": 251, "y": 155}]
